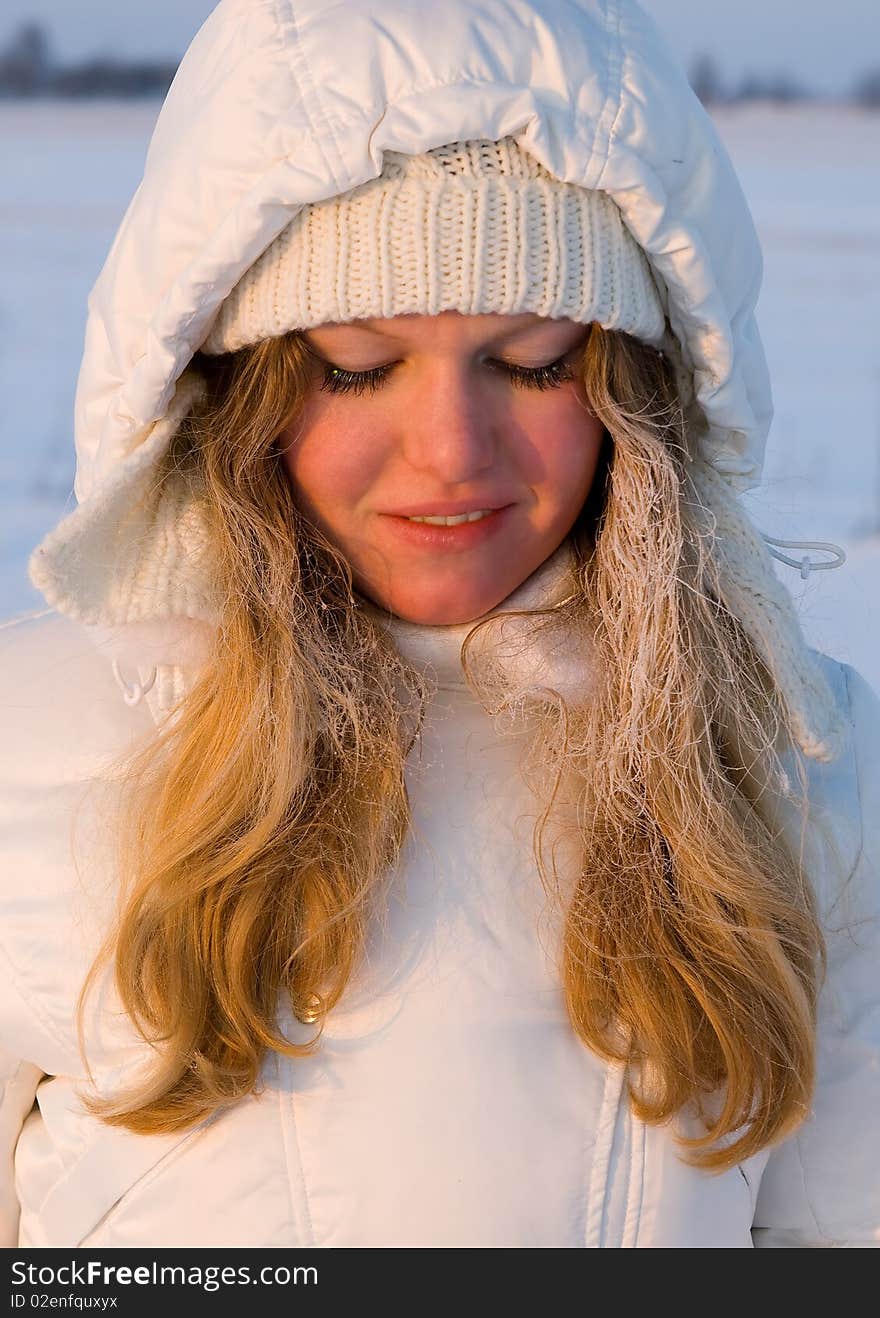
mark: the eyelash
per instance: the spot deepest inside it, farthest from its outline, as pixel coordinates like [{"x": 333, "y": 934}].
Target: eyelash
[{"x": 339, "y": 381}]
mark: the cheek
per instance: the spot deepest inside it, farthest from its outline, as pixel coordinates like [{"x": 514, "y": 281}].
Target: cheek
[
  {"x": 331, "y": 466},
  {"x": 564, "y": 445}
]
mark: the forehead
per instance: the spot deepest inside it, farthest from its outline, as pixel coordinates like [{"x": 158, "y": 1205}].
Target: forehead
[{"x": 449, "y": 329}]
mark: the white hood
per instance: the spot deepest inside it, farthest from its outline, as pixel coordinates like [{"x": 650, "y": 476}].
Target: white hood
[{"x": 280, "y": 104}]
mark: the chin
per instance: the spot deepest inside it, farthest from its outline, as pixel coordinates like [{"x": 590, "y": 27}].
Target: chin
[{"x": 439, "y": 613}]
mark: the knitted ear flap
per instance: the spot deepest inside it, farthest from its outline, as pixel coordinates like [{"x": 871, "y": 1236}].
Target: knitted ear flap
[
  {"x": 755, "y": 595},
  {"x": 132, "y": 551}
]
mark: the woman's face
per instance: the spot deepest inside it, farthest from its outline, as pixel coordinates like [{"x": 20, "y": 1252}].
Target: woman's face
[{"x": 444, "y": 415}]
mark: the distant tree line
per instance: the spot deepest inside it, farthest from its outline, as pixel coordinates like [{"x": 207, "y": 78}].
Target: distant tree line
[
  {"x": 27, "y": 68},
  {"x": 706, "y": 79}
]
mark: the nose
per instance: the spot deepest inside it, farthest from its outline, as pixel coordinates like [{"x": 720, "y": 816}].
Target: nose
[{"x": 448, "y": 430}]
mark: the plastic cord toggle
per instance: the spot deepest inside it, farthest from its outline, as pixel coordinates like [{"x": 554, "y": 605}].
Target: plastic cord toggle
[{"x": 134, "y": 692}]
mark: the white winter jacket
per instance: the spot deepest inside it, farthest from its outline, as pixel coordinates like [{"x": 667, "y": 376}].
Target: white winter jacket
[{"x": 450, "y": 1102}]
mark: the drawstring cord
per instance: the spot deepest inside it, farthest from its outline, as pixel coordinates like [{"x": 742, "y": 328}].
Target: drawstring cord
[{"x": 806, "y": 565}]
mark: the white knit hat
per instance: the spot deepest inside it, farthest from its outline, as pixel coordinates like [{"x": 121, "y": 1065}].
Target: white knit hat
[{"x": 474, "y": 227}]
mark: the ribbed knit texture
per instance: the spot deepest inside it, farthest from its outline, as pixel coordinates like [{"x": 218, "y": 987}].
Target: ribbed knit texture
[
  {"x": 135, "y": 551},
  {"x": 477, "y": 227},
  {"x": 755, "y": 595}
]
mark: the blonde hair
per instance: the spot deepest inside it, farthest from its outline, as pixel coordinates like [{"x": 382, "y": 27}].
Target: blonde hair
[{"x": 261, "y": 820}]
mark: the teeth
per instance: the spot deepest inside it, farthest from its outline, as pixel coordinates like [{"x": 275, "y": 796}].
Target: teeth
[{"x": 453, "y": 521}]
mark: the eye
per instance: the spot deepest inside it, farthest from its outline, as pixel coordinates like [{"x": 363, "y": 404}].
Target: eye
[
  {"x": 537, "y": 377},
  {"x": 339, "y": 381}
]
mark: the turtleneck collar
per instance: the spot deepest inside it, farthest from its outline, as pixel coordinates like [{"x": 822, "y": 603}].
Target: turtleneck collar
[{"x": 530, "y": 656}]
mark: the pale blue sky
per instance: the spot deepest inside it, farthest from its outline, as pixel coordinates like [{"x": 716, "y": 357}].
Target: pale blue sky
[{"x": 825, "y": 45}]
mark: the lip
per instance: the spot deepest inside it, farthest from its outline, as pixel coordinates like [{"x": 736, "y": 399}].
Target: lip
[
  {"x": 463, "y": 536},
  {"x": 448, "y": 508}
]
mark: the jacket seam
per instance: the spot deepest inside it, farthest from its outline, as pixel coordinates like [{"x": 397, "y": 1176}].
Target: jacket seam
[
  {"x": 63, "y": 1189},
  {"x": 807, "y": 1200},
  {"x": 847, "y": 671},
  {"x": 600, "y": 1170},
  {"x": 165, "y": 1160},
  {"x": 614, "y": 95},
  {"x": 307, "y": 86},
  {"x": 34, "y": 1006},
  {"x": 290, "y": 1136},
  {"x": 307, "y": 101},
  {"x": 635, "y": 1192},
  {"x": 826, "y": 1240},
  {"x": 10, "y": 1084}
]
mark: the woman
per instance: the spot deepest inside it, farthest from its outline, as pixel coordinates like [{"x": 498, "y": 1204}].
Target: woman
[{"x": 378, "y": 881}]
